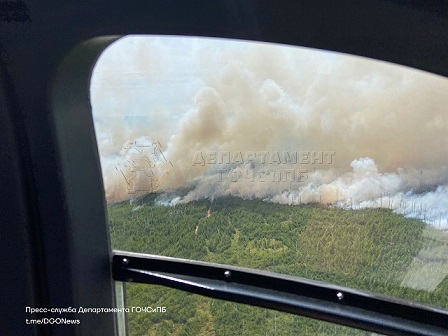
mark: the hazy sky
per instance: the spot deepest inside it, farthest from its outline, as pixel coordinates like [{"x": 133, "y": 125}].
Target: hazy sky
[{"x": 387, "y": 125}]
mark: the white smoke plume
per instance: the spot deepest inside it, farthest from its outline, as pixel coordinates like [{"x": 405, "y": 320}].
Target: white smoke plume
[{"x": 376, "y": 134}]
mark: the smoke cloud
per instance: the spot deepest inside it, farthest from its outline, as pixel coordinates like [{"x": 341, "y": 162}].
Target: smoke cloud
[{"x": 288, "y": 125}]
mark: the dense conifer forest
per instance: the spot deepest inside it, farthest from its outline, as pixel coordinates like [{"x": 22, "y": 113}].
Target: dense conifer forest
[{"x": 369, "y": 249}]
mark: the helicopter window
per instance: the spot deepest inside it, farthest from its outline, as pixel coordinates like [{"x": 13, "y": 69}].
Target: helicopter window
[{"x": 314, "y": 164}]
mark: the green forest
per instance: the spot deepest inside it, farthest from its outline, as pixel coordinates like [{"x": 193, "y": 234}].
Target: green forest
[{"x": 369, "y": 249}]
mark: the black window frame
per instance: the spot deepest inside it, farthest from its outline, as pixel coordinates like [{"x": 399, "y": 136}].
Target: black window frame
[{"x": 46, "y": 61}]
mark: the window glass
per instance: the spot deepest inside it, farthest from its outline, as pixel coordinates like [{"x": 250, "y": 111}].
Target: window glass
[
  {"x": 298, "y": 161},
  {"x": 155, "y": 310}
]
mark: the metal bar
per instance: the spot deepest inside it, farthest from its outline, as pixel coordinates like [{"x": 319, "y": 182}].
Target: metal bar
[{"x": 353, "y": 308}]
